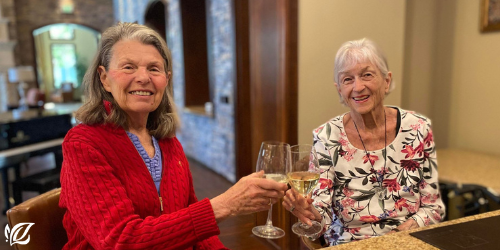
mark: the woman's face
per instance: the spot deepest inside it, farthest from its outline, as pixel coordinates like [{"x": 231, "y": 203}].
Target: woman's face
[
  {"x": 136, "y": 77},
  {"x": 363, "y": 87}
]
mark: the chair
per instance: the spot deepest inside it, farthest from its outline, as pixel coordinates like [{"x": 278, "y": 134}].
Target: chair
[
  {"x": 40, "y": 182},
  {"x": 43, "y": 210}
]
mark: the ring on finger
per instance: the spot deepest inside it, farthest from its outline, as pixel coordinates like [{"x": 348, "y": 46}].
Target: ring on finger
[{"x": 292, "y": 208}]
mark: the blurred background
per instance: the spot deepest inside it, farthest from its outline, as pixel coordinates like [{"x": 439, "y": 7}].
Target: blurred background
[{"x": 245, "y": 71}]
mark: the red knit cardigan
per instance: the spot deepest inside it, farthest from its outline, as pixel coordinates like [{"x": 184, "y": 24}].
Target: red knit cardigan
[{"x": 112, "y": 202}]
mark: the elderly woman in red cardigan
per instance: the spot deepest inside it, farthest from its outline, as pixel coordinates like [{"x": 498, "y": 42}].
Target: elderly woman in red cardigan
[{"x": 125, "y": 179}]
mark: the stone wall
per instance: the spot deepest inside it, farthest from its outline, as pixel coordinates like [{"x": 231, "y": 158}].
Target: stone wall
[
  {"x": 209, "y": 140},
  {"x": 33, "y": 14}
]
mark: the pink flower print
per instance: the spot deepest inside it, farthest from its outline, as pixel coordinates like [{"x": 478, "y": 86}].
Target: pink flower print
[
  {"x": 410, "y": 165},
  {"x": 347, "y": 192},
  {"x": 420, "y": 149},
  {"x": 410, "y": 152},
  {"x": 345, "y": 213},
  {"x": 343, "y": 142},
  {"x": 347, "y": 202},
  {"x": 318, "y": 129},
  {"x": 358, "y": 209},
  {"x": 436, "y": 215},
  {"x": 412, "y": 209},
  {"x": 427, "y": 221},
  {"x": 415, "y": 126},
  {"x": 343, "y": 134},
  {"x": 371, "y": 158},
  {"x": 353, "y": 230},
  {"x": 391, "y": 184},
  {"x": 428, "y": 139},
  {"x": 393, "y": 213},
  {"x": 425, "y": 198},
  {"x": 421, "y": 121},
  {"x": 349, "y": 154},
  {"x": 369, "y": 218},
  {"x": 400, "y": 204},
  {"x": 324, "y": 183},
  {"x": 423, "y": 184}
]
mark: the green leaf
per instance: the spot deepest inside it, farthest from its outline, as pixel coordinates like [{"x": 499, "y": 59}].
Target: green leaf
[
  {"x": 323, "y": 155},
  {"x": 335, "y": 157},
  {"x": 416, "y": 179},
  {"x": 392, "y": 147},
  {"x": 384, "y": 154},
  {"x": 362, "y": 197},
  {"x": 361, "y": 171},
  {"x": 382, "y": 225},
  {"x": 351, "y": 173},
  {"x": 433, "y": 185},
  {"x": 339, "y": 174},
  {"x": 365, "y": 181},
  {"x": 393, "y": 161},
  {"x": 381, "y": 203},
  {"x": 328, "y": 130},
  {"x": 325, "y": 162}
]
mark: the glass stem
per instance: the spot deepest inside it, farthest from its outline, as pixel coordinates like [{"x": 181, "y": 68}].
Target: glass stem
[{"x": 269, "y": 221}]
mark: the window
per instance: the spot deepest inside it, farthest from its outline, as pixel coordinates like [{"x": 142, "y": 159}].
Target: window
[
  {"x": 64, "y": 64},
  {"x": 61, "y": 32}
]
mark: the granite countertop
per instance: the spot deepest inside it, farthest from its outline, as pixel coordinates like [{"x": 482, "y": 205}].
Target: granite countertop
[
  {"x": 403, "y": 240},
  {"x": 469, "y": 167}
]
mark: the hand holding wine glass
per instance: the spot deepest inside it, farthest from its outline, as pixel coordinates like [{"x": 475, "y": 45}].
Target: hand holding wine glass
[
  {"x": 274, "y": 159},
  {"x": 303, "y": 177}
]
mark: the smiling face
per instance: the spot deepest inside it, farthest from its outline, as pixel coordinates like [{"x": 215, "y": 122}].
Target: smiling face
[
  {"x": 136, "y": 77},
  {"x": 363, "y": 87}
]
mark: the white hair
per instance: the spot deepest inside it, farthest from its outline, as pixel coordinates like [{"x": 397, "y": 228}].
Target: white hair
[{"x": 359, "y": 51}]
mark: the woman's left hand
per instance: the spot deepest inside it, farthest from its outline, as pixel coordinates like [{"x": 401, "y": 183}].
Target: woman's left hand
[{"x": 407, "y": 225}]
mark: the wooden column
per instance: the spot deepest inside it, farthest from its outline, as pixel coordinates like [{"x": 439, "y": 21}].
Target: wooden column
[{"x": 266, "y": 91}]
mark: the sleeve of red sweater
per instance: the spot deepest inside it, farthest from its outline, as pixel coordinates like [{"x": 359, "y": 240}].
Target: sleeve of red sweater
[
  {"x": 212, "y": 242},
  {"x": 102, "y": 212}
]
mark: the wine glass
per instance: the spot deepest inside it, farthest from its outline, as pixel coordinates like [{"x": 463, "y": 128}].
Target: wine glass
[
  {"x": 274, "y": 159},
  {"x": 303, "y": 177}
]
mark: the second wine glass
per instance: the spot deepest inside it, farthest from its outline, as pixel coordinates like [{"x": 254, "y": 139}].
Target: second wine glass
[
  {"x": 303, "y": 177},
  {"x": 274, "y": 159}
]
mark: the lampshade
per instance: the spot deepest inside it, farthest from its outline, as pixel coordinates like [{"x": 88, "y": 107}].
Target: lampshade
[{"x": 21, "y": 74}]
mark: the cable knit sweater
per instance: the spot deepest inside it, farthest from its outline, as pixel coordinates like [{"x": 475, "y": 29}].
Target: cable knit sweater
[{"x": 112, "y": 202}]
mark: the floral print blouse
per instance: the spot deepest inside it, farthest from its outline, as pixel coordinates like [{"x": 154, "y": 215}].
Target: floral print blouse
[{"x": 358, "y": 201}]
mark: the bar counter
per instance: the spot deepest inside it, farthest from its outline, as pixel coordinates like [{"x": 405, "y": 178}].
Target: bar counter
[{"x": 403, "y": 240}]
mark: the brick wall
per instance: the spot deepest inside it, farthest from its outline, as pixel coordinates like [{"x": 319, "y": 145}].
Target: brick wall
[
  {"x": 33, "y": 14},
  {"x": 209, "y": 140}
]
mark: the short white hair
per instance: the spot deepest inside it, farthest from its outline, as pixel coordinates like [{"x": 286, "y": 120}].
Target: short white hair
[{"x": 359, "y": 51}]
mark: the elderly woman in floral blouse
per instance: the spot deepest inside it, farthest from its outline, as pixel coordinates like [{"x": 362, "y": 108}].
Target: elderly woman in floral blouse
[{"x": 379, "y": 168}]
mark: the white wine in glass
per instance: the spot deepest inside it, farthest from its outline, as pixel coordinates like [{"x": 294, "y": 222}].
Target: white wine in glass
[
  {"x": 274, "y": 159},
  {"x": 303, "y": 177}
]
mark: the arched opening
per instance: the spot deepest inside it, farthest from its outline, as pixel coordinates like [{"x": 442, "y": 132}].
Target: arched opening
[
  {"x": 156, "y": 18},
  {"x": 63, "y": 53}
]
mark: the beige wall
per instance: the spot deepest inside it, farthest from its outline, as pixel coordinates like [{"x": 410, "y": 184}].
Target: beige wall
[
  {"x": 450, "y": 73},
  {"x": 323, "y": 26}
]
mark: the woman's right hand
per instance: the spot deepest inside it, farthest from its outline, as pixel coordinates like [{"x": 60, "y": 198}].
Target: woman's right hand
[
  {"x": 301, "y": 207},
  {"x": 250, "y": 194}
]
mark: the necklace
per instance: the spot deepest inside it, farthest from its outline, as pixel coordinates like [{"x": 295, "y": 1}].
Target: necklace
[{"x": 378, "y": 190}]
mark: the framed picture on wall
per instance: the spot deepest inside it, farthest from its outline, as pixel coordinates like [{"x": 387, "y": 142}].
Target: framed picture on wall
[{"x": 490, "y": 15}]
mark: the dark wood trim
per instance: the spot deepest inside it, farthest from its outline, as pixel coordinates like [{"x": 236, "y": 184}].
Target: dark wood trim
[
  {"x": 194, "y": 40},
  {"x": 266, "y": 89},
  {"x": 243, "y": 119}
]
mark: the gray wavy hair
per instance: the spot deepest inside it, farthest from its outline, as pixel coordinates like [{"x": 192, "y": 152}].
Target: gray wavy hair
[
  {"x": 163, "y": 121},
  {"x": 358, "y": 51}
]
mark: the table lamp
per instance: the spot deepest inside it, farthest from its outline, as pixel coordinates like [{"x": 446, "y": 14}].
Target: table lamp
[{"x": 22, "y": 75}]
